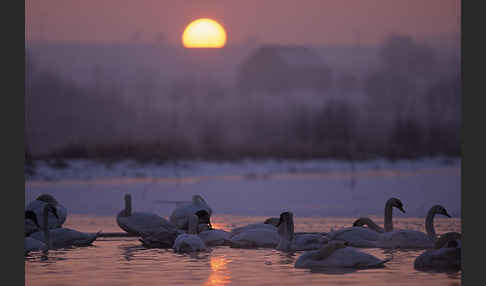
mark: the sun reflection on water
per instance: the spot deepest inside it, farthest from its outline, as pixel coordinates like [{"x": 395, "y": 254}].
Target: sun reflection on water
[{"x": 219, "y": 272}]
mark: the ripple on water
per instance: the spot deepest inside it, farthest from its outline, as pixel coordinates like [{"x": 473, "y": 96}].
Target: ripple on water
[{"x": 123, "y": 261}]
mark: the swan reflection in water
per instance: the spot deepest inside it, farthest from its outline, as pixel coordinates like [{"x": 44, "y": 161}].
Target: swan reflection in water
[{"x": 220, "y": 274}]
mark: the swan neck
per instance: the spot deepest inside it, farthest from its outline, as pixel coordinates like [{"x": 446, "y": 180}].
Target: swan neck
[
  {"x": 286, "y": 233},
  {"x": 388, "y": 217},
  {"x": 193, "y": 225},
  {"x": 429, "y": 225},
  {"x": 45, "y": 225},
  {"x": 128, "y": 206}
]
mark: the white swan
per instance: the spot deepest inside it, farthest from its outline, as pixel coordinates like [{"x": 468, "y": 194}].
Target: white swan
[
  {"x": 405, "y": 238},
  {"x": 190, "y": 242},
  {"x": 37, "y": 207},
  {"x": 30, "y": 243},
  {"x": 31, "y": 224},
  {"x": 180, "y": 216},
  {"x": 62, "y": 237},
  {"x": 366, "y": 221},
  {"x": 367, "y": 237},
  {"x": 289, "y": 241},
  {"x": 215, "y": 237},
  {"x": 337, "y": 254},
  {"x": 241, "y": 229},
  {"x": 446, "y": 258},
  {"x": 140, "y": 222}
]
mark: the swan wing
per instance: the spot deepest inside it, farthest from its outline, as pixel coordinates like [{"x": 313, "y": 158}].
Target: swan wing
[
  {"x": 347, "y": 257},
  {"x": 215, "y": 237},
  {"x": 405, "y": 239},
  {"x": 38, "y": 206},
  {"x": 188, "y": 243},
  {"x": 439, "y": 259},
  {"x": 142, "y": 222},
  {"x": 356, "y": 236},
  {"x": 257, "y": 237}
]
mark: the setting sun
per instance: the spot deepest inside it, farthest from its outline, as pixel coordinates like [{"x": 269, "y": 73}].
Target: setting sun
[{"x": 204, "y": 33}]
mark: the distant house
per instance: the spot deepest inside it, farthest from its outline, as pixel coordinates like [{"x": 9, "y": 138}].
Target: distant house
[{"x": 275, "y": 68}]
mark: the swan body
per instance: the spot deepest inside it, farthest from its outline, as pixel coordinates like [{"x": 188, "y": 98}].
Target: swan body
[
  {"x": 180, "y": 216},
  {"x": 444, "y": 258},
  {"x": 139, "y": 222},
  {"x": 215, "y": 237},
  {"x": 32, "y": 244},
  {"x": 255, "y": 237},
  {"x": 358, "y": 236},
  {"x": 37, "y": 207},
  {"x": 32, "y": 227},
  {"x": 65, "y": 237},
  {"x": 289, "y": 241},
  {"x": 336, "y": 254},
  {"x": 190, "y": 242},
  {"x": 241, "y": 229}
]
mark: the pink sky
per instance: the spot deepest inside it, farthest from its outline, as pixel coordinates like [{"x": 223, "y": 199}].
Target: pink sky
[{"x": 270, "y": 21}]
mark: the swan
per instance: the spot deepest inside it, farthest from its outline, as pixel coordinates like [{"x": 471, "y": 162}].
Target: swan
[
  {"x": 406, "y": 238},
  {"x": 362, "y": 221},
  {"x": 62, "y": 237},
  {"x": 272, "y": 220},
  {"x": 289, "y": 241},
  {"x": 215, "y": 237},
  {"x": 337, "y": 254},
  {"x": 139, "y": 222},
  {"x": 367, "y": 237},
  {"x": 37, "y": 207},
  {"x": 190, "y": 242},
  {"x": 183, "y": 211},
  {"x": 31, "y": 224},
  {"x": 447, "y": 257},
  {"x": 30, "y": 243}
]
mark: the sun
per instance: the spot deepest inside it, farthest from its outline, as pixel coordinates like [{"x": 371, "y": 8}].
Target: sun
[{"x": 204, "y": 33}]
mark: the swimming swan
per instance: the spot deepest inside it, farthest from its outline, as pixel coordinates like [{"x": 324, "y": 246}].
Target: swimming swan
[
  {"x": 37, "y": 207},
  {"x": 215, "y": 237},
  {"x": 367, "y": 237},
  {"x": 140, "y": 222},
  {"x": 190, "y": 242},
  {"x": 182, "y": 212},
  {"x": 337, "y": 254},
  {"x": 32, "y": 244},
  {"x": 241, "y": 229},
  {"x": 445, "y": 258},
  {"x": 366, "y": 221},
  {"x": 62, "y": 237},
  {"x": 289, "y": 241},
  {"x": 406, "y": 238}
]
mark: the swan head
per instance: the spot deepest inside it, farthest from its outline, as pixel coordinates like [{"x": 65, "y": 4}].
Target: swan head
[
  {"x": 285, "y": 225},
  {"x": 32, "y": 216},
  {"x": 438, "y": 209},
  {"x": 204, "y": 218},
  {"x": 47, "y": 199},
  {"x": 396, "y": 203}
]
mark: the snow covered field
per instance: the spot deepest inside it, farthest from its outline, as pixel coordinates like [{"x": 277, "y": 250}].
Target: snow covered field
[{"x": 308, "y": 188}]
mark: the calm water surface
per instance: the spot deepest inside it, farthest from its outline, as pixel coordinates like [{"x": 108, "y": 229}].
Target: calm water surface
[{"x": 123, "y": 261}]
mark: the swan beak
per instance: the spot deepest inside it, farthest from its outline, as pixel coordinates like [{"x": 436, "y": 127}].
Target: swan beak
[
  {"x": 401, "y": 209},
  {"x": 446, "y": 214}
]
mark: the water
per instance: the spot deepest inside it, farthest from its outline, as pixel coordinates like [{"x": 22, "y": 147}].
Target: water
[
  {"x": 322, "y": 196},
  {"x": 123, "y": 261}
]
